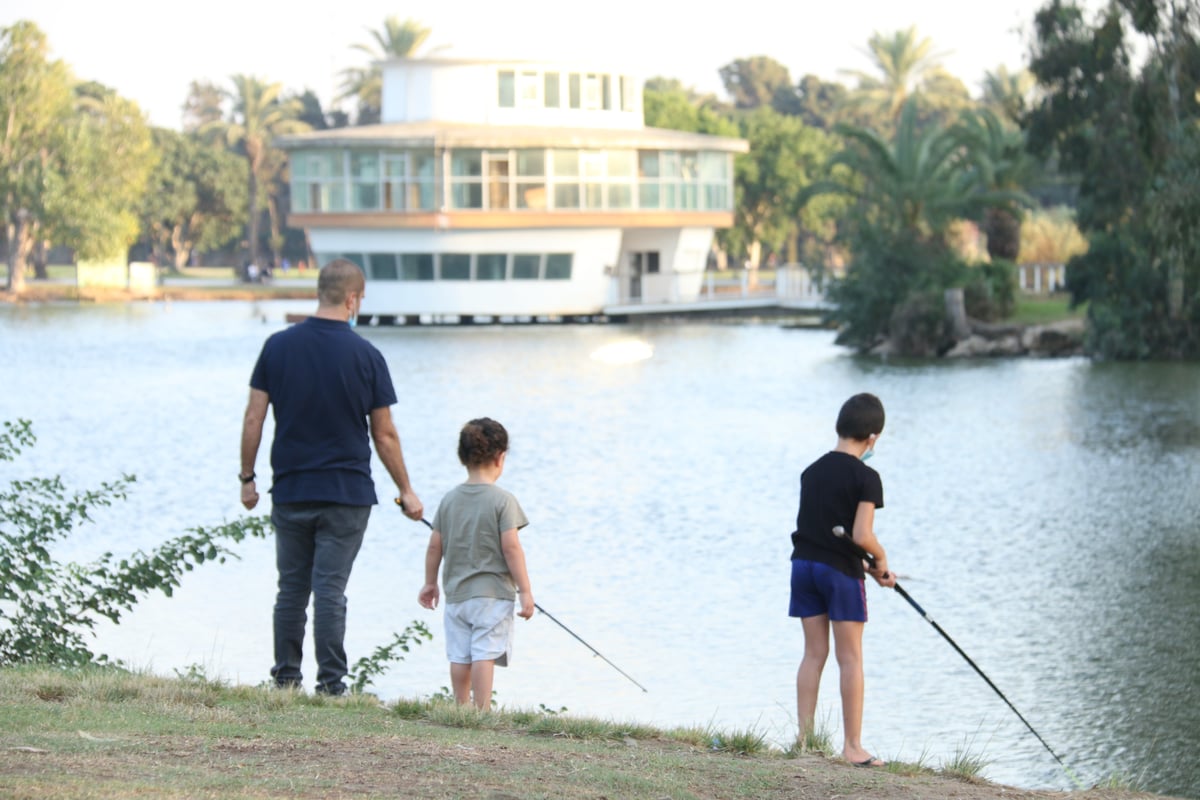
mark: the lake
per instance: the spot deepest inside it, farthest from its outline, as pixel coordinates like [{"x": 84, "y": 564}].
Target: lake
[{"x": 1045, "y": 512}]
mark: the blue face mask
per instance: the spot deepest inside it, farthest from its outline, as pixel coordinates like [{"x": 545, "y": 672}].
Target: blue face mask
[
  {"x": 867, "y": 455},
  {"x": 353, "y": 321}
]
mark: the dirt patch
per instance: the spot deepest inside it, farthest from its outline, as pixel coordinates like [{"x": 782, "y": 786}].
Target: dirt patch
[{"x": 484, "y": 766}]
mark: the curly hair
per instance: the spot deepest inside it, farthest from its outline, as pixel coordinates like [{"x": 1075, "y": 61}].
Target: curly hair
[{"x": 481, "y": 441}]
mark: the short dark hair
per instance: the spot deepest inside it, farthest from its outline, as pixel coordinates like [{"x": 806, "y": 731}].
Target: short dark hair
[
  {"x": 337, "y": 279},
  {"x": 481, "y": 441},
  {"x": 861, "y": 416}
]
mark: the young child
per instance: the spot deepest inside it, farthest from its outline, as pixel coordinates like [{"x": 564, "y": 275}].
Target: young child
[
  {"x": 475, "y": 531},
  {"x": 828, "y": 590}
]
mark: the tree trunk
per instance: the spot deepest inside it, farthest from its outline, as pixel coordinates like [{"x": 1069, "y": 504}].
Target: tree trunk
[
  {"x": 20, "y": 243},
  {"x": 956, "y": 313},
  {"x": 276, "y": 231},
  {"x": 252, "y": 228},
  {"x": 1003, "y": 231},
  {"x": 182, "y": 248}
]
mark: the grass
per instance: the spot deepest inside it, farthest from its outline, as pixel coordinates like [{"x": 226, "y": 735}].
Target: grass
[
  {"x": 108, "y": 733},
  {"x": 1040, "y": 309}
]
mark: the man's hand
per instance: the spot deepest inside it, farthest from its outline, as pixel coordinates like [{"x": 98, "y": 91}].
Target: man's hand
[
  {"x": 410, "y": 504},
  {"x": 527, "y": 606},
  {"x": 249, "y": 495}
]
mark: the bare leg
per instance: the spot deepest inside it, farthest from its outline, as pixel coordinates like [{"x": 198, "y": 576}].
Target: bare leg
[
  {"x": 460, "y": 681},
  {"x": 481, "y": 683},
  {"x": 808, "y": 676},
  {"x": 847, "y": 642}
]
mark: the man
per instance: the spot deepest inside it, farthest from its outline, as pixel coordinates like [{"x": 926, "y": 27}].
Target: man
[{"x": 329, "y": 388}]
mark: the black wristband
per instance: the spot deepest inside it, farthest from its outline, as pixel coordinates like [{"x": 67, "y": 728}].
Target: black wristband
[{"x": 246, "y": 478}]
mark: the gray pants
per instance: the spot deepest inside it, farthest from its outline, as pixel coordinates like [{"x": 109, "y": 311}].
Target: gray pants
[{"x": 315, "y": 548}]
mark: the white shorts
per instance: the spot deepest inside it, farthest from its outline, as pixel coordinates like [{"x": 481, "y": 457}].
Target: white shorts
[{"x": 479, "y": 629}]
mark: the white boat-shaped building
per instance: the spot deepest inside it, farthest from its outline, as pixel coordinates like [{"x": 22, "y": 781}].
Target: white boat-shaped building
[{"x": 512, "y": 191}]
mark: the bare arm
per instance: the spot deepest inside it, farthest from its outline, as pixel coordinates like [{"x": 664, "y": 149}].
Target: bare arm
[
  {"x": 387, "y": 444},
  {"x": 252, "y": 428},
  {"x": 428, "y": 596},
  {"x": 864, "y": 537},
  {"x": 514, "y": 557}
]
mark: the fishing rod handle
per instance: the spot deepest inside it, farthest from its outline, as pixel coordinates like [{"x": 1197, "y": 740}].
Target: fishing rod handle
[{"x": 840, "y": 533}]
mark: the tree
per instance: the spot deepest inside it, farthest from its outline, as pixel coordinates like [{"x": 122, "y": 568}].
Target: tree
[
  {"x": 818, "y": 102},
  {"x": 103, "y": 166},
  {"x": 396, "y": 39},
  {"x": 35, "y": 107},
  {"x": 204, "y": 105},
  {"x": 258, "y": 116},
  {"x": 755, "y": 82},
  {"x": 1129, "y": 135},
  {"x": 785, "y": 157},
  {"x": 666, "y": 104},
  {"x": 906, "y": 192},
  {"x": 1006, "y": 94},
  {"x": 905, "y": 68},
  {"x": 999, "y": 156},
  {"x": 196, "y": 197}
]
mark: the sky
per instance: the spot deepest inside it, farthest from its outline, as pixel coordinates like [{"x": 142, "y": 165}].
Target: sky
[{"x": 150, "y": 52}]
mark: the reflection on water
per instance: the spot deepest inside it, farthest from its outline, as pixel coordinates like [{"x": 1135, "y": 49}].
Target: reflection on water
[{"x": 1046, "y": 512}]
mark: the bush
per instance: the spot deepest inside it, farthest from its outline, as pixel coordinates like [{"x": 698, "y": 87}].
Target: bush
[
  {"x": 992, "y": 292},
  {"x": 918, "y": 325},
  {"x": 46, "y": 607}
]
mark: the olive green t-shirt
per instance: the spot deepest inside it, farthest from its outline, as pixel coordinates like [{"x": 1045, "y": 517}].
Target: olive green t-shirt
[{"x": 470, "y": 519}]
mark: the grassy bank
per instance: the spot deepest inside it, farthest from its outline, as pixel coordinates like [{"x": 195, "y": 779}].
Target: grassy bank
[{"x": 109, "y": 734}]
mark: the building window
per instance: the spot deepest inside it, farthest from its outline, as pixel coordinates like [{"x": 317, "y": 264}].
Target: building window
[
  {"x": 550, "y": 90},
  {"x": 423, "y": 184},
  {"x": 395, "y": 172},
  {"x": 592, "y": 89},
  {"x": 416, "y": 267},
  {"x": 364, "y": 180},
  {"x": 491, "y": 266},
  {"x": 558, "y": 267},
  {"x": 574, "y": 91},
  {"x": 644, "y": 263},
  {"x": 507, "y": 88},
  {"x": 383, "y": 267},
  {"x": 526, "y": 266},
  {"x": 466, "y": 181},
  {"x": 455, "y": 266},
  {"x": 529, "y": 94}
]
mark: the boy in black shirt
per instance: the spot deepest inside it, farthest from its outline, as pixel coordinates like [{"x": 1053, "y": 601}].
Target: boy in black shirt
[{"x": 838, "y": 490}]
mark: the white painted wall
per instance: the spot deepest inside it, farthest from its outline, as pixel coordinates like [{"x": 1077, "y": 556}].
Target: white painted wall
[
  {"x": 468, "y": 93},
  {"x": 683, "y": 253},
  {"x": 594, "y": 252}
]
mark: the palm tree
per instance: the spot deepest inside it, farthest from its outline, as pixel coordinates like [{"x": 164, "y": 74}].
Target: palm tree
[
  {"x": 1006, "y": 93},
  {"x": 903, "y": 63},
  {"x": 1002, "y": 165},
  {"x": 397, "y": 39},
  {"x": 916, "y": 182},
  {"x": 259, "y": 114}
]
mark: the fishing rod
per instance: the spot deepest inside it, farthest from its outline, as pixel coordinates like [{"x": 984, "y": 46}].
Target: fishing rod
[
  {"x": 564, "y": 627},
  {"x": 840, "y": 532}
]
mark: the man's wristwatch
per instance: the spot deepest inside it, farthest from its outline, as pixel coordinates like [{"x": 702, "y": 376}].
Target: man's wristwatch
[{"x": 246, "y": 478}]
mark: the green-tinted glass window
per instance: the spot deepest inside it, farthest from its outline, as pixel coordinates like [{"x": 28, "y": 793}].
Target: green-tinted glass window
[
  {"x": 507, "y": 82},
  {"x": 531, "y": 163},
  {"x": 466, "y": 163},
  {"x": 467, "y": 195},
  {"x": 558, "y": 267},
  {"x": 490, "y": 266},
  {"x": 648, "y": 196},
  {"x": 364, "y": 166},
  {"x": 550, "y": 92},
  {"x": 574, "y": 91},
  {"x": 566, "y": 195},
  {"x": 456, "y": 266},
  {"x": 416, "y": 267},
  {"x": 620, "y": 195},
  {"x": 357, "y": 258},
  {"x": 525, "y": 266},
  {"x": 648, "y": 163},
  {"x": 383, "y": 267}
]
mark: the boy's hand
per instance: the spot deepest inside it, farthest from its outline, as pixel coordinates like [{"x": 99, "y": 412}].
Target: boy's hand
[
  {"x": 428, "y": 596},
  {"x": 527, "y": 606},
  {"x": 882, "y": 576}
]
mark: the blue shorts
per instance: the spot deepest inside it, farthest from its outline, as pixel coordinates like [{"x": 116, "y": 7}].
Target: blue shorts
[{"x": 821, "y": 589}]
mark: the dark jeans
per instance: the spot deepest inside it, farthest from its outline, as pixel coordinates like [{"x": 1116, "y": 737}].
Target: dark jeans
[{"x": 315, "y": 547}]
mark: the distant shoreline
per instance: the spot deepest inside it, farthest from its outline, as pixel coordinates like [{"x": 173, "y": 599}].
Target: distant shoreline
[{"x": 38, "y": 292}]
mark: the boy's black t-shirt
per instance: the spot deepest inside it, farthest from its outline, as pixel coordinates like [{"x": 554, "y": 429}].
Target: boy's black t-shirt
[{"x": 830, "y": 490}]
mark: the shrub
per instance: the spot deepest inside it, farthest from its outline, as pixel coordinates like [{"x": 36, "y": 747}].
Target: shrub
[{"x": 46, "y": 606}]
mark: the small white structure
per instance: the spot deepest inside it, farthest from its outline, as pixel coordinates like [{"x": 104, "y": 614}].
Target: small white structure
[{"x": 513, "y": 189}]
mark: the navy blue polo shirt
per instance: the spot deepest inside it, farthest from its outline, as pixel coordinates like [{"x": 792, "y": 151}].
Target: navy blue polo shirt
[{"x": 323, "y": 381}]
